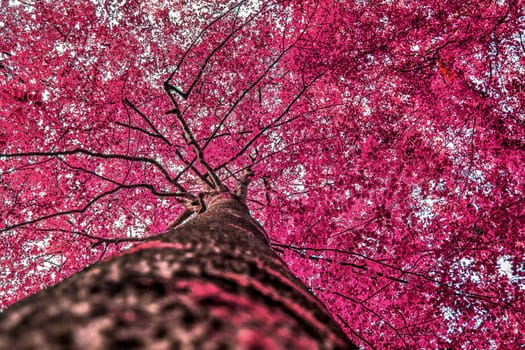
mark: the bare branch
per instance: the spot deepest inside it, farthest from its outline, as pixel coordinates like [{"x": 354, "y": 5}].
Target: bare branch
[
  {"x": 195, "y": 41},
  {"x": 354, "y": 332},
  {"x": 256, "y": 82},
  {"x": 275, "y": 121},
  {"x": 224, "y": 134},
  {"x": 186, "y": 196},
  {"x": 190, "y": 140},
  {"x": 362, "y": 304},
  {"x": 159, "y": 135},
  {"x": 189, "y": 165},
  {"x": 99, "y": 155},
  {"x": 343, "y": 263},
  {"x": 206, "y": 61},
  {"x": 126, "y": 102},
  {"x": 139, "y": 129},
  {"x": 100, "y": 240},
  {"x": 243, "y": 94},
  {"x": 62, "y": 213}
]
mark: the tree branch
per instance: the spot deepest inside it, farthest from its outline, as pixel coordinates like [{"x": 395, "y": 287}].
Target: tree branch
[
  {"x": 127, "y": 103},
  {"x": 190, "y": 140},
  {"x": 209, "y": 25},
  {"x": 67, "y": 212},
  {"x": 151, "y": 188},
  {"x": 99, "y": 155},
  {"x": 139, "y": 129},
  {"x": 241, "y": 190},
  {"x": 375, "y": 313},
  {"x": 355, "y": 333},
  {"x": 100, "y": 240},
  {"x": 276, "y": 120},
  {"x": 185, "y": 95}
]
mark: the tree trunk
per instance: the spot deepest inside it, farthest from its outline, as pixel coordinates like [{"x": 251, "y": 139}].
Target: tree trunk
[{"x": 212, "y": 283}]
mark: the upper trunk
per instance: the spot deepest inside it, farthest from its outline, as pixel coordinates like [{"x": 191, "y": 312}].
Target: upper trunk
[{"x": 212, "y": 283}]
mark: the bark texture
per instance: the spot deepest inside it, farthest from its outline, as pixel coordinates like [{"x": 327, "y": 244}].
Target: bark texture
[{"x": 212, "y": 283}]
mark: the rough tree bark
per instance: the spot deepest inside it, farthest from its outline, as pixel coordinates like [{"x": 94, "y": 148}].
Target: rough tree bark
[{"x": 211, "y": 283}]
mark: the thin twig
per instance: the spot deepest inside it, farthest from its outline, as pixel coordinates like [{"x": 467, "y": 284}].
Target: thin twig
[
  {"x": 139, "y": 129},
  {"x": 391, "y": 326},
  {"x": 276, "y": 120},
  {"x": 207, "y": 60},
  {"x": 355, "y": 333},
  {"x": 194, "y": 41},
  {"x": 126, "y": 102}
]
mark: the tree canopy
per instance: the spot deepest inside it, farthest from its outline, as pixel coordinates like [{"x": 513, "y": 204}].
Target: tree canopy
[{"x": 387, "y": 141}]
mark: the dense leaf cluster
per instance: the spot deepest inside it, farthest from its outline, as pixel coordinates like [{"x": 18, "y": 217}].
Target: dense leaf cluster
[{"x": 387, "y": 140}]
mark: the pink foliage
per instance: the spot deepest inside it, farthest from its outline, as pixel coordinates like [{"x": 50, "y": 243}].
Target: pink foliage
[{"x": 387, "y": 141}]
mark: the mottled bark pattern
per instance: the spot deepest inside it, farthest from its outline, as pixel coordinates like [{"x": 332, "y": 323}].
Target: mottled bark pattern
[{"x": 213, "y": 283}]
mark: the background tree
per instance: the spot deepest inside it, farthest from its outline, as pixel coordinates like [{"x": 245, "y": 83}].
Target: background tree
[{"x": 386, "y": 140}]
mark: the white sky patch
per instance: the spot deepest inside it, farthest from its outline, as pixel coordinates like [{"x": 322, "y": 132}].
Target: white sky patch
[
  {"x": 45, "y": 95},
  {"x": 505, "y": 267},
  {"x": 514, "y": 274},
  {"x": 312, "y": 280},
  {"x": 100, "y": 169},
  {"x": 107, "y": 76},
  {"x": 478, "y": 177},
  {"x": 282, "y": 23},
  {"x": 480, "y": 84},
  {"x": 49, "y": 263},
  {"x": 46, "y": 264},
  {"x": 276, "y": 140},
  {"x": 60, "y": 47},
  {"x": 426, "y": 213},
  {"x": 466, "y": 262},
  {"x": 249, "y": 8},
  {"x": 28, "y": 214},
  {"x": 14, "y": 3},
  {"x": 119, "y": 223},
  {"x": 366, "y": 110},
  {"x": 173, "y": 166},
  {"x": 138, "y": 229},
  {"x": 300, "y": 172},
  {"x": 140, "y": 225},
  {"x": 451, "y": 317}
]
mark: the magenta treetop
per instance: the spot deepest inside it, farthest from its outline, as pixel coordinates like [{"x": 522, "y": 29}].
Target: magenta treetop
[{"x": 387, "y": 141}]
